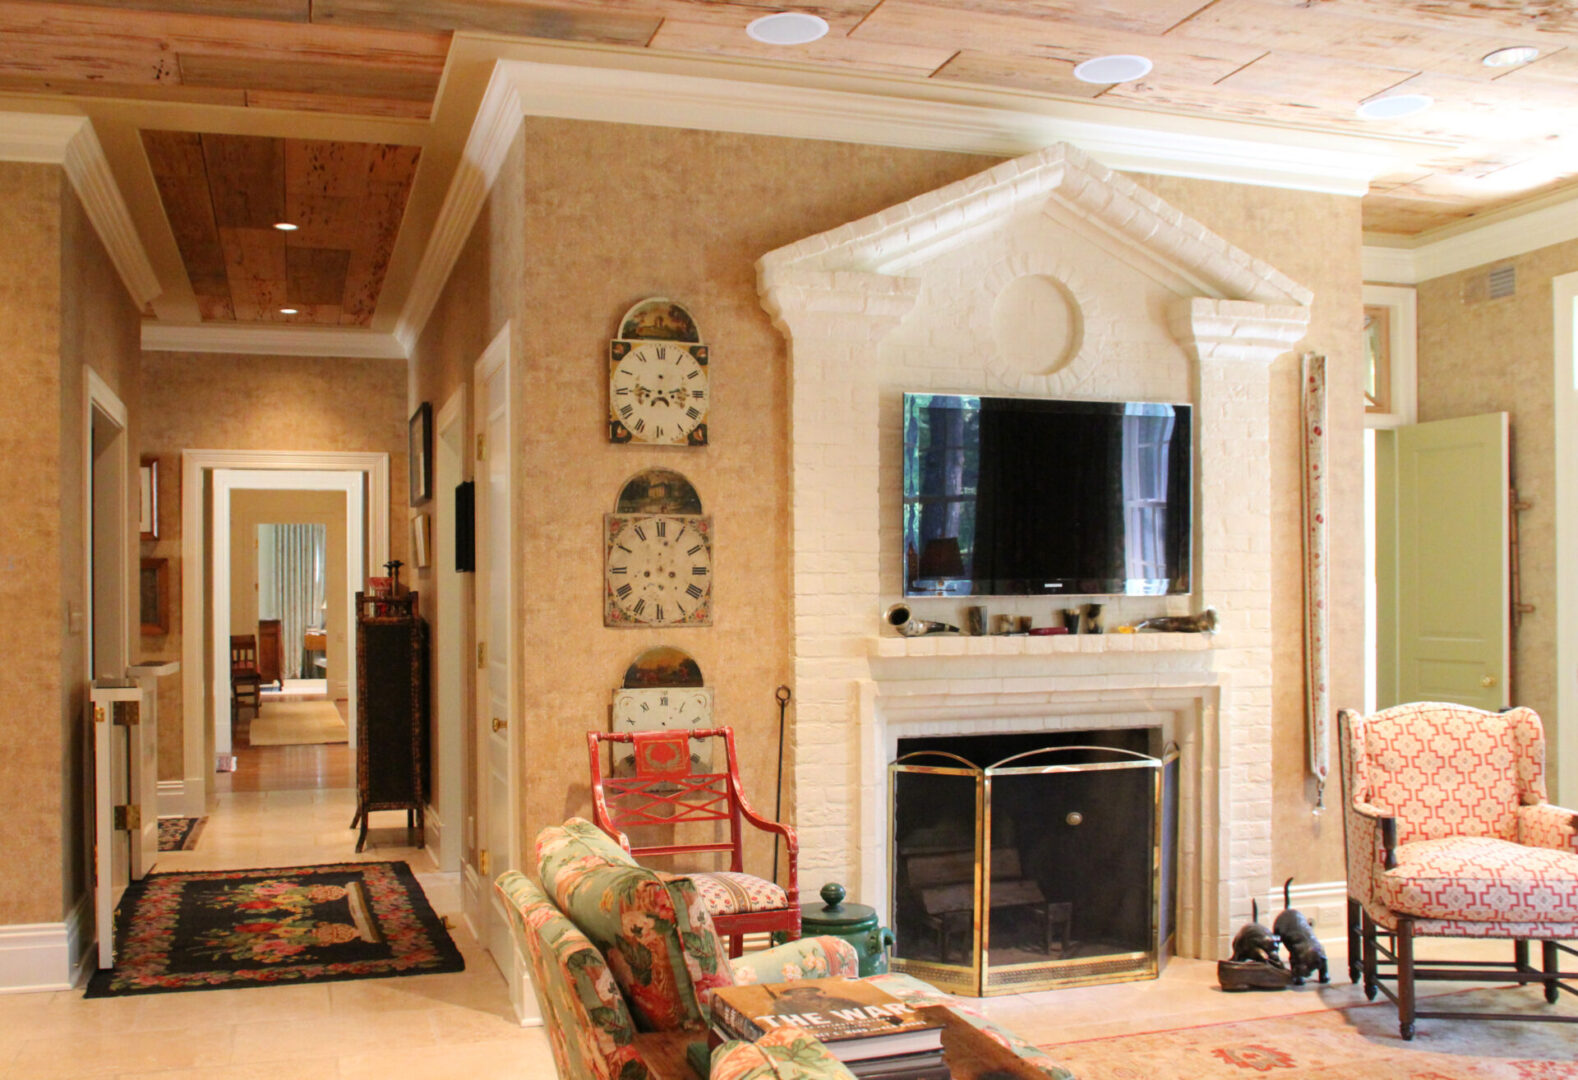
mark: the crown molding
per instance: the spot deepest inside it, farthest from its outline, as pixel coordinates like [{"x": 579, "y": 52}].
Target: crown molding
[
  {"x": 1497, "y": 236},
  {"x": 272, "y": 341},
  {"x": 70, "y": 142},
  {"x": 498, "y": 118},
  {"x": 600, "y": 84}
]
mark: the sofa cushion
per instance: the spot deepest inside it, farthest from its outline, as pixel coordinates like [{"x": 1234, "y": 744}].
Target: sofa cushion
[
  {"x": 803, "y": 958},
  {"x": 1481, "y": 878},
  {"x": 576, "y": 842},
  {"x": 588, "y": 1025},
  {"x": 652, "y": 927},
  {"x": 785, "y": 1053}
]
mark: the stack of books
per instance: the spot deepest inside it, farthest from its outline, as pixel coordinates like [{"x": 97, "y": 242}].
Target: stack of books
[{"x": 875, "y": 1035}]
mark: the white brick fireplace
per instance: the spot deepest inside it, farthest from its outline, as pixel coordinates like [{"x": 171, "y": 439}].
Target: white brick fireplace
[{"x": 1045, "y": 276}]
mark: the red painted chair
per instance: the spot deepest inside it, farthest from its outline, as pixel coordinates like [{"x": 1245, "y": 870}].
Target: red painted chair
[
  {"x": 1449, "y": 835},
  {"x": 666, "y": 798}
]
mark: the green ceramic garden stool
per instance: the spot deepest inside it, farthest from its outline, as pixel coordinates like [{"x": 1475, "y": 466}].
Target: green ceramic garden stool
[{"x": 855, "y": 923}]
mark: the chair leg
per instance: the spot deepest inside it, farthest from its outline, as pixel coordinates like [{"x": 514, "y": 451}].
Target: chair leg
[
  {"x": 736, "y": 946},
  {"x": 1355, "y": 915},
  {"x": 1550, "y": 964},
  {"x": 1370, "y": 930},
  {"x": 1405, "y": 978},
  {"x": 1520, "y": 953}
]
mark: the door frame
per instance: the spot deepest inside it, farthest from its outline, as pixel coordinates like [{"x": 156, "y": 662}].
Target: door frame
[
  {"x": 98, "y": 395},
  {"x": 198, "y": 772},
  {"x": 451, "y": 633},
  {"x": 1564, "y": 298},
  {"x": 347, "y": 482}
]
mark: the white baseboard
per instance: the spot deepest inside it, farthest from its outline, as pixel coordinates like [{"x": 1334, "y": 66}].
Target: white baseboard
[
  {"x": 436, "y": 839},
  {"x": 1324, "y": 904},
  {"x": 182, "y": 798},
  {"x": 40, "y": 957}
]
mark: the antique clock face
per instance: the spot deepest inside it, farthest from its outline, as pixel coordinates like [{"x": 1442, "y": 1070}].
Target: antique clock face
[
  {"x": 657, "y": 570},
  {"x": 658, "y": 393},
  {"x": 663, "y": 708}
]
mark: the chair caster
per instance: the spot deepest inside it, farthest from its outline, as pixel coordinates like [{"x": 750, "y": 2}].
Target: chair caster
[
  {"x": 1370, "y": 991},
  {"x": 1551, "y": 993},
  {"x": 1407, "y": 1031},
  {"x": 1353, "y": 973}
]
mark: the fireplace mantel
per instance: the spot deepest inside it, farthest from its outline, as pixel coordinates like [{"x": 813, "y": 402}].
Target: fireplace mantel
[{"x": 940, "y": 645}]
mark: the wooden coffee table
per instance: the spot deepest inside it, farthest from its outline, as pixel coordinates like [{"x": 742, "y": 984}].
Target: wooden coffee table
[{"x": 970, "y": 1054}]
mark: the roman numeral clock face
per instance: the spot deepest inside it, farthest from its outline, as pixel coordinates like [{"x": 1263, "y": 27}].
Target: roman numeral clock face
[
  {"x": 658, "y": 570},
  {"x": 658, "y": 393}
]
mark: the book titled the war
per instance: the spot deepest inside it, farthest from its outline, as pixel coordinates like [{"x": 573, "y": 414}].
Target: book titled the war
[{"x": 854, "y": 1019}]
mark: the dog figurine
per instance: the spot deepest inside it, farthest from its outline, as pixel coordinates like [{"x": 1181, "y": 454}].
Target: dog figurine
[
  {"x": 1306, "y": 955},
  {"x": 1255, "y": 942}
]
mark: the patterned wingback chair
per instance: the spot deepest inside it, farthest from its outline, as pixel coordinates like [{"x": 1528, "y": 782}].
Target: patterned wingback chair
[{"x": 1449, "y": 835}]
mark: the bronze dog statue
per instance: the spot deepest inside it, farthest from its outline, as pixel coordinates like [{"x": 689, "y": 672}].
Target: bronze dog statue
[{"x": 1306, "y": 955}]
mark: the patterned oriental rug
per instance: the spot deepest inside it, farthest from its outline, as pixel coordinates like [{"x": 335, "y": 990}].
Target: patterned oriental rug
[
  {"x": 1358, "y": 1043},
  {"x": 215, "y": 930},
  {"x": 179, "y": 833}
]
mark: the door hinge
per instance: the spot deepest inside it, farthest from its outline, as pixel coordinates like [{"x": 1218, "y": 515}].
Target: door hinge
[
  {"x": 128, "y": 817},
  {"x": 485, "y": 863},
  {"x": 127, "y": 713},
  {"x": 98, "y": 713},
  {"x": 482, "y": 446},
  {"x": 482, "y": 654}
]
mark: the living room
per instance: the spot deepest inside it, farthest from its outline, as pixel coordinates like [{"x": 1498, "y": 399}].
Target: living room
[{"x": 800, "y": 481}]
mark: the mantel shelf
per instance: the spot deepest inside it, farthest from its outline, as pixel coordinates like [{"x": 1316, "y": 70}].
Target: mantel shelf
[{"x": 893, "y": 645}]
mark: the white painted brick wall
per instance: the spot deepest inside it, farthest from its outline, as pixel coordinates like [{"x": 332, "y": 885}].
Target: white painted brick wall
[{"x": 859, "y": 339}]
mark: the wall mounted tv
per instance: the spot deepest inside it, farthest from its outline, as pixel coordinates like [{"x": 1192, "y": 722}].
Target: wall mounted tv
[{"x": 1029, "y": 497}]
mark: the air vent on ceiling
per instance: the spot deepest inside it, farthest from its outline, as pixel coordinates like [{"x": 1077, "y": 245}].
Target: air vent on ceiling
[{"x": 1493, "y": 284}]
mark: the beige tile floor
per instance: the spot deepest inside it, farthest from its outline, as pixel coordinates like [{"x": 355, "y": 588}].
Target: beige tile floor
[{"x": 435, "y": 1027}]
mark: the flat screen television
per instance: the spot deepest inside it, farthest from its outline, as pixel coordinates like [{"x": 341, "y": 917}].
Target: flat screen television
[{"x": 1030, "y": 497}]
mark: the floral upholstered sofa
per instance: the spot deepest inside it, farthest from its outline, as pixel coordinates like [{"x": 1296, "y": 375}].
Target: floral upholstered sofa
[{"x": 616, "y": 948}]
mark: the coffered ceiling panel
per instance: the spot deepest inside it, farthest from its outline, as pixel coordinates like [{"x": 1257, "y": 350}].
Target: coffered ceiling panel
[{"x": 224, "y": 195}]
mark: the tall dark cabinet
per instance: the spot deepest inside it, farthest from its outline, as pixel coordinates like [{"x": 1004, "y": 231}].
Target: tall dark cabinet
[{"x": 391, "y": 710}]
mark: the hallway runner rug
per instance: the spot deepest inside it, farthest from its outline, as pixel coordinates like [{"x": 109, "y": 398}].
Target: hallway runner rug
[
  {"x": 1355, "y": 1043},
  {"x": 179, "y": 833},
  {"x": 219, "y": 929}
]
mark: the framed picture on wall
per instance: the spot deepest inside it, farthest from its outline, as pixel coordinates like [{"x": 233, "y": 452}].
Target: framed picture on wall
[
  {"x": 419, "y": 458},
  {"x": 148, "y": 498},
  {"x": 421, "y": 540}
]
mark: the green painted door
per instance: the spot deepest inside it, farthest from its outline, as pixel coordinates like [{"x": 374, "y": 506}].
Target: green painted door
[{"x": 1442, "y": 562}]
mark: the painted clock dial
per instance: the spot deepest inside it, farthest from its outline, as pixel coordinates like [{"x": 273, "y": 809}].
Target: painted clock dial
[
  {"x": 657, "y": 570},
  {"x": 658, "y": 393}
]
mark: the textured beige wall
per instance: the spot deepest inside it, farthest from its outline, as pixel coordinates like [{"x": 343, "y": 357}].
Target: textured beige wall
[
  {"x": 1495, "y": 356},
  {"x": 485, "y": 289},
  {"x": 224, "y": 402},
  {"x": 248, "y": 510},
  {"x": 1315, "y": 240},
  {"x": 689, "y": 224},
  {"x": 100, "y": 328},
  {"x": 31, "y": 542},
  {"x": 61, "y": 306}
]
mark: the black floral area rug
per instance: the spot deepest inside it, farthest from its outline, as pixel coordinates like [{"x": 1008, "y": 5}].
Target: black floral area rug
[
  {"x": 180, "y": 833},
  {"x": 219, "y": 929}
]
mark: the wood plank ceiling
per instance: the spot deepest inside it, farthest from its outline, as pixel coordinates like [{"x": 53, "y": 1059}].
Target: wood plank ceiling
[
  {"x": 1504, "y": 134},
  {"x": 224, "y": 196}
]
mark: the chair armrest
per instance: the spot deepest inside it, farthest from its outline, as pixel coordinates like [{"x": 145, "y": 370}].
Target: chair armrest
[
  {"x": 803, "y": 958},
  {"x": 800, "y": 1054},
  {"x": 1384, "y": 837},
  {"x": 1547, "y": 826}
]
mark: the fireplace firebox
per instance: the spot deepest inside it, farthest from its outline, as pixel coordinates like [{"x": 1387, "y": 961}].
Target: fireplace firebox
[{"x": 1033, "y": 861}]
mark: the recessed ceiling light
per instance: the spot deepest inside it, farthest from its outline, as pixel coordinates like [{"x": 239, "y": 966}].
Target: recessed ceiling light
[
  {"x": 1395, "y": 107},
  {"x": 1122, "y": 67},
  {"x": 288, "y": 311},
  {"x": 787, "y": 28},
  {"x": 286, "y": 226},
  {"x": 1511, "y": 56}
]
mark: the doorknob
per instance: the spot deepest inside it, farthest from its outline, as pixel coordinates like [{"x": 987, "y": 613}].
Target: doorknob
[
  {"x": 500, "y": 725},
  {"x": 1488, "y": 681}
]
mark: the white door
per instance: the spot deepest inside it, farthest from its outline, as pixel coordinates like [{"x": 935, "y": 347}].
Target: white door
[
  {"x": 1443, "y": 605},
  {"x": 115, "y": 710},
  {"x": 495, "y": 720}
]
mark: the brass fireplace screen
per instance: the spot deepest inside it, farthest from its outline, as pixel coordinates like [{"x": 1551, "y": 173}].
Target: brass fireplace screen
[{"x": 1068, "y": 850}]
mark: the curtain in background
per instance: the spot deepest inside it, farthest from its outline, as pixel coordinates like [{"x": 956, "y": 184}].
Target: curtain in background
[{"x": 298, "y": 593}]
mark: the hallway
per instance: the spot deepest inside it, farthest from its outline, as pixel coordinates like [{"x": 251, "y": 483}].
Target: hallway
[{"x": 429, "y": 1026}]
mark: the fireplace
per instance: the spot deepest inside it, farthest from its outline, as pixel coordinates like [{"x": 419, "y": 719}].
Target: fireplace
[{"x": 1032, "y": 861}]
